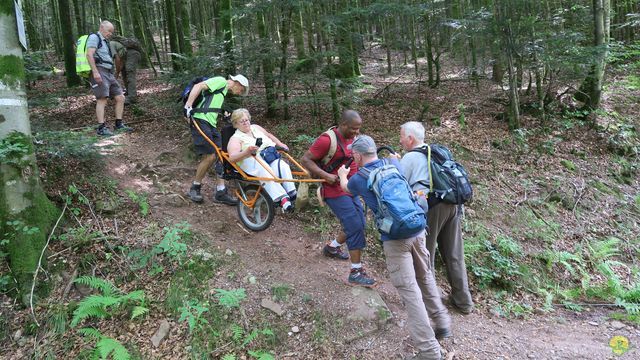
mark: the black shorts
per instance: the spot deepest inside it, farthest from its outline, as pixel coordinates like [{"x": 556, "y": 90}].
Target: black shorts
[{"x": 202, "y": 146}]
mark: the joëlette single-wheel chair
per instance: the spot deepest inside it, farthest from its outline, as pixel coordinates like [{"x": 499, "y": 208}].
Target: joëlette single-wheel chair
[{"x": 255, "y": 207}]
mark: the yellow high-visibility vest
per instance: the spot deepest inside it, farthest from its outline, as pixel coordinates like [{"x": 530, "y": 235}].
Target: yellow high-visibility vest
[{"x": 82, "y": 64}]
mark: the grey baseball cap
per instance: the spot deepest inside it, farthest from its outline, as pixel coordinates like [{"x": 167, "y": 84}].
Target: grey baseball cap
[{"x": 364, "y": 144}]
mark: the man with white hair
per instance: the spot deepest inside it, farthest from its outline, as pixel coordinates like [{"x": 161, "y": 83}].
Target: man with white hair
[
  {"x": 103, "y": 83},
  {"x": 443, "y": 218}
]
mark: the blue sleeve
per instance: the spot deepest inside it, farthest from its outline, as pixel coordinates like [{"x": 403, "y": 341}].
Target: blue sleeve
[
  {"x": 353, "y": 187},
  {"x": 395, "y": 162},
  {"x": 92, "y": 41}
]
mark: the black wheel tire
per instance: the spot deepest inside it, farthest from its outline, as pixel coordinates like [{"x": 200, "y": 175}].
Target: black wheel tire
[{"x": 263, "y": 212}]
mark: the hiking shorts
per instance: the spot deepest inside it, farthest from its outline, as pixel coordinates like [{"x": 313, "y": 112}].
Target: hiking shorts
[
  {"x": 203, "y": 146},
  {"x": 349, "y": 211},
  {"x": 109, "y": 87}
]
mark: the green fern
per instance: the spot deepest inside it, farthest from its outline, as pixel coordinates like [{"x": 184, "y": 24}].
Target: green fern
[
  {"x": 230, "y": 298},
  {"x": 138, "y": 311},
  {"x": 229, "y": 357},
  {"x": 101, "y": 306},
  {"x": 238, "y": 332},
  {"x": 105, "y": 346},
  {"x": 109, "y": 346},
  {"x": 600, "y": 251},
  {"x": 261, "y": 355},
  {"x": 106, "y": 287},
  {"x": 59, "y": 319},
  {"x": 254, "y": 334}
]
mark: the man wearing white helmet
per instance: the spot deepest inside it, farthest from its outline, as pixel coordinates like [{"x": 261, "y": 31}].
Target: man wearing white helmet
[{"x": 205, "y": 113}]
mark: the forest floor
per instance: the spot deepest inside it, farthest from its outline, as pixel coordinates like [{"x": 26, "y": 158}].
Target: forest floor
[{"x": 321, "y": 317}]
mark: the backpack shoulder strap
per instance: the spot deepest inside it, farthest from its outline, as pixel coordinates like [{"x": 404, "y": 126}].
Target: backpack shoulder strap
[
  {"x": 333, "y": 147},
  {"x": 426, "y": 150},
  {"x": 208, "y": 99}
]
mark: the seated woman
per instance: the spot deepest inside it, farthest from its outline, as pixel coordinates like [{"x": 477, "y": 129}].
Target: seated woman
[{"x": 252, "y": 140}]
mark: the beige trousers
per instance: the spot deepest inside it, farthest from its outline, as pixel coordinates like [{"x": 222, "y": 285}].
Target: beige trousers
[{"x": 410, "y": 272}]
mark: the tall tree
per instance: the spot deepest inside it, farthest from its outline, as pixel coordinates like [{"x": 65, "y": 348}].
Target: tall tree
[
  {"x": 68, "y": 40},
  {"x": 591, "y": 88},
  {"x": 226, "y": 26},
  {"x": 267, "y": 65},
  {"x": 172, "y": 31},
  {"x": 26, "y": 213}
]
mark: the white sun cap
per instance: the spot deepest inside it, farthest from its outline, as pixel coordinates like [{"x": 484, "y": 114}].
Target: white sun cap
[{"x": 243, "y": 81}]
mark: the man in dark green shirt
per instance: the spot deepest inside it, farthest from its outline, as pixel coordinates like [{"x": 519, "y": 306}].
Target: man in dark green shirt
[{"x": 127, "y": 61}]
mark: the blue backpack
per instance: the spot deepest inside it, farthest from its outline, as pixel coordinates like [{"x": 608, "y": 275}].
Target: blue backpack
[
  {"x": 399, "y": 215},
  {"x": 198, "y": 105}
]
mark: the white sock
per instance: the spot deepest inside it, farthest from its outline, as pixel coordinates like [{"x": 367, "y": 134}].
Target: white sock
[
  {"x": 334, "y": 243},
  {"x": 220, "y": 187},
  {"x": 356, "y": 266}
]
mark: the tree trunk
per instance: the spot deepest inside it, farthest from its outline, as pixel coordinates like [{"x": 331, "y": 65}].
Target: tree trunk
[
  {"x": 298, "y": 37},
  {"x": 79, "y": 19},
  {"x": 68, "y": 40},
  {"x": 173, "y": 39},
  {"x": 227, "y": 31},
  {"x": 514, "y": 99},
  {"x": 284, "y": 43},
  {"x": 23, "y": 203},
  {"x": 182, "y": 44},
  {"x": 267, "y": 66},
  {"x": 55, "y": 24},
  {"x": 118, "y": 16},
  {"x": 592, "y": 85},
  {"x": 35, "y": 42}
]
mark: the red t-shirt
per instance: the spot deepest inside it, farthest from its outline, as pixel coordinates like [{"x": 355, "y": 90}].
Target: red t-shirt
[{"x": 319, "y": 150}]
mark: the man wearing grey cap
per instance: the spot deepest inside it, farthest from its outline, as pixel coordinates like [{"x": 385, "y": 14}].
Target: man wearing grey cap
[
  {"x": 407, "y": 259},
  {"x": 205, "y": 114}
]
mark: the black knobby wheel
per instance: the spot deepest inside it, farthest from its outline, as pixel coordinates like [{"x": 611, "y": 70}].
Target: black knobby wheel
[{"x": 261, "y": 216}]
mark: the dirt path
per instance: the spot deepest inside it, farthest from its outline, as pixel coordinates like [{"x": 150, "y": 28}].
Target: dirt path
[{"x": 153, "y": 159}]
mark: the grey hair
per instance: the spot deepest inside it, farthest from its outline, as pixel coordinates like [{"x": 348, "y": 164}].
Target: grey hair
[
  {"x": 237, "y": 115},
  {"x": 105, "y": 24},
  {"x": 414, "y": 129}
]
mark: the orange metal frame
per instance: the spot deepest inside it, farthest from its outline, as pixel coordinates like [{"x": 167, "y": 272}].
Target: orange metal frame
[{"x": 250, "y": 203}]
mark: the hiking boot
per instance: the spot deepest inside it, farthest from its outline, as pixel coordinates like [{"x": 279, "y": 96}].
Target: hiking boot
[
  {"x": 194, "y": 193},
  {"x": 104, "y": 131},
  {"x": 359, "y": 277},
  {"x": 335, "y": 252},
  {"x": 442, "y": 333},
  {"x": 223, "y": 197},
  {"x": 461, "y": 309},
  {"x": 121, "y": 127},
  {"x": 423, "y": 355}
]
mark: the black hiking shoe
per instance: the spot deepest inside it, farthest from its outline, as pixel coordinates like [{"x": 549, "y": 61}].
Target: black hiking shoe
[
  {"x": 194, "y": 193},
  {"x": 442, "y": 333},
  {"x": 223, "y": 197},
  {"x": 464, "y": 310},
  {"x": 121, "y": 127},
  {"x": 104, "y": 131},
  {"x": 359, "y": 277},
  {"x": 335, "y": 252}
]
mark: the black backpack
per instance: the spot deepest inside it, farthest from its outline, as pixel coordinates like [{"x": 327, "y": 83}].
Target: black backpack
[
  {"x": 206, "y": 95},
  {"x": 448, "y": 180}
]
